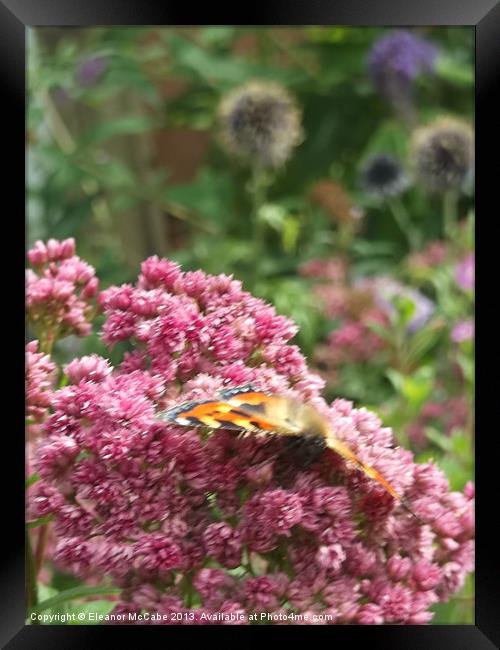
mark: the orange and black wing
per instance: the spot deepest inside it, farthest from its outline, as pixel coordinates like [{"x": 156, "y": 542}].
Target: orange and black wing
[{"x": 223, "y": 413}]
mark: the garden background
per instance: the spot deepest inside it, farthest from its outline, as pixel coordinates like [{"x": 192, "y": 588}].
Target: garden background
[{"x": 338, "y": 217}]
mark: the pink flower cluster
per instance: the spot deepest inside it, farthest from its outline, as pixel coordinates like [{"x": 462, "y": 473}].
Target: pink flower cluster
[
  {"x": 352, "y": 341},
  {"x": 331, "y": 269},
  {"x": 431, "y": 256},
  {"x": 447, "y": 415},
  {"x": 182, "y": 324},
  {"x": 197, "y": 524},
  {"x": 40, "y": 377},
  {"x": 331, "y": 286},
  {"x": 59, "y": 290}
]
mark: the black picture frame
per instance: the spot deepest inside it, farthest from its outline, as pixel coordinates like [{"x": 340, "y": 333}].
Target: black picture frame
[{"x": 484, "y": 15}]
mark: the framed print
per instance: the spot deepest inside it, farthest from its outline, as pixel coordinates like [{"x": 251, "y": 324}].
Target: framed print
[{"x": 250, "y": 322}]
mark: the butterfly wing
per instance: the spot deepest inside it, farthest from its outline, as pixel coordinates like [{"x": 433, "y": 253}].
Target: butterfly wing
[
  {"x": 273, "y": 413},
  {"x": 215, "y": 414},
  {"x": 239, "y": 409},
  {"x": 237, "y": 392}
]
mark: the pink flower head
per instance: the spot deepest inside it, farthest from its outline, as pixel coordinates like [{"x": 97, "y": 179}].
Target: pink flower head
[
  {"x": 464, "y": 273},
  {"x": 463, "y": 331},
  {"x": 89, "y": 368},
  {"x": 355, "y": 341},
  {"x": 333, "y": 270},
  {"x": 450, "y": 414},
  {"x": 52, "y": 251},
  {"x": 433, "y": 255},
  {"x": 212, "y": 523},
  {"x": 40, "y": 378},
  {"x": 58, "y": 294}
]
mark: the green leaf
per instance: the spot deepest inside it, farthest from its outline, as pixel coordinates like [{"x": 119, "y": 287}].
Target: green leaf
[
  {"x": 391, "y": 137},
  {"x": 396, "y": 379},
  {"x": 273, "y": 215},
  {"x": 39, "y": 522},
  {"x": 460, "y": 607},
  {"x": 421, "y": 343},
  {"x": 462, "y": 445},
  {"x": 414, "y": 388},
  {"x": 405, "y": 309},
  {"x": 290, "y": 233},
  {"x": 363, "y": 247},
  {"x": 217, "y": 36},
  {"x": 211, "y": 67},
  {"x": 63, "y": 381},
  {"x": 82, "y": 611},
  {"x": 31, "y": 479},
  {"x": 114, "y": 175},
  {"x": 429, "y": 455},
  {"x": 380, "y": 330},
  {"x": 438, "y": 438},
  {"x": 45, "y": 591},
  {"x": 457, "y": 472},
  {"x": 418, "y": 387},
  {"x": 74, "y": 594},
  {"x": 62, "y": 581},
  {"x": 210, "y": 195},
  {"x": 126, "y": 125},
  {"x": 457, "y": 72}
]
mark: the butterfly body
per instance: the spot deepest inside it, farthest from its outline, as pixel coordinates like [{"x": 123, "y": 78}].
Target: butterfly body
[
  {"x": 252, "y": 412},
  {"x": 304, "y": 451}
]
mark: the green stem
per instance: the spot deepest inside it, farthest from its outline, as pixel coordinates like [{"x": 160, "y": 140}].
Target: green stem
[
  {"x": 450, "y": 205},
  {"x": 47, "y": 337},
  {"x": 31, "y": 588},
  {"x": 257, "y": 189},
  {"x": 40, "y": 546},
  {"x": 247, "y": 562},
  {"x": 189, "y": 590},
  {"x": 74, "y": 594},
  {"x": 403, "y": 220},
  {"x": 345, "y": 237},
  {"x": 46, "y": 344}
]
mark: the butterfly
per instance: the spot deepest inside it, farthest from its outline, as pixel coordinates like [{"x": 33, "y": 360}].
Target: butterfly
[{"x": 248, "y": 411}]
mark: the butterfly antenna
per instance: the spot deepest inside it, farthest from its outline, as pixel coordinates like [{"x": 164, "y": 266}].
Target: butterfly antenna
[{"x": 344, "y": 451}]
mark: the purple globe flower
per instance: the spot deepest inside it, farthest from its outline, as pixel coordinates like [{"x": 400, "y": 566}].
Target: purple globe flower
[
  {"x": 90, "y": 70},
  {"x": 396, "y": 59},
  {"x": 382, "y": 175},
  {"x": 387, "y": 290}
]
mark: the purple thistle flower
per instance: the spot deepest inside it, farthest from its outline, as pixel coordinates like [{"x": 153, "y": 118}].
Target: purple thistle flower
[
  {"x": 386, "y": 291},
  {"x": 90, "y": 70},
  {"x": 396, "y": 60}
]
